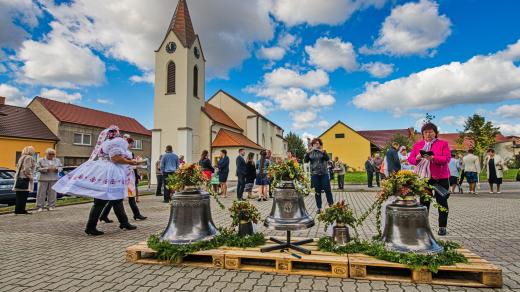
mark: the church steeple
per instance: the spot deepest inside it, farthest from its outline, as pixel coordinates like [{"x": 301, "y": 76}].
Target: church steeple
[{"x": 181, "y": 25}]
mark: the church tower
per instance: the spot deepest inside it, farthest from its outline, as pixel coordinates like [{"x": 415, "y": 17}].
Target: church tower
[{"x": 179, "y": 88}]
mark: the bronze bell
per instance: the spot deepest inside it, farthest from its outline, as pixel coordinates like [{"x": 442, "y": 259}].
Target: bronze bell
[
  {"x": 190, "y": 218},
  {"x": 288, "y": 211},
  {"x": 407, "y": 228}
]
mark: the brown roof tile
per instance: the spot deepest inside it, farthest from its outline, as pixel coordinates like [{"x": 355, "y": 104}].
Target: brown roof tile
[
  {"x": 219, "y": 116},
  {"x": 70, "y": 113},
  {"x": 182, "y": 26},
  {"x": 227, "y": 138},
  {"x": 381, "y": 137},
  {"x": 21, "y": 122}
]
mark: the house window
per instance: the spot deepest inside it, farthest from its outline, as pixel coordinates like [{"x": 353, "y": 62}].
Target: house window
[
  {"x": 138, "y": 145},
  {"x": 170, "y": 81},
  {"x": 340, "y": 136},
  {"x": 82, "y": 139},
  {"x": 196, "y": 81}
]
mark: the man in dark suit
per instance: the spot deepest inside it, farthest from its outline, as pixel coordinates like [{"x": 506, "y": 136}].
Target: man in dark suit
[
  {"x": 392, "y": 159},
  {"x": 369, "y": 168},
  {"x": 241, "y": 173}
]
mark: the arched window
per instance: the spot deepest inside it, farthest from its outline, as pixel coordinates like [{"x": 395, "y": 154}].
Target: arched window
[
  {"x": 170, "y": 81},
  {"x": 196, "y": 81}
]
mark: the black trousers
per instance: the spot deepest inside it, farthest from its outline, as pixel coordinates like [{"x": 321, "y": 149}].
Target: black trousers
[
  {"x": 97, "y": 209},
  {"x": 21, "y": 202},
  {"x": 158, "y": 192},
  {"x": 443, "y": 201},
  {"x": 241, "y": 185},
  {"x": 341, "y": 181},
  {"x": 378, "y": 178},
  {"x": 131, "y": 202},
  {"x": 370, "y": 178},
  {"x": 167, "y": 192}
]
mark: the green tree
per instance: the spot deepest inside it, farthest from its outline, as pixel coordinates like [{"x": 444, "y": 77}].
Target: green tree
[
  {"x": 296, "y": 145},
  {"x": 480, "y": 132},
  {"x": 402, "y": 140},
  {"x": 429, "y": 118}
]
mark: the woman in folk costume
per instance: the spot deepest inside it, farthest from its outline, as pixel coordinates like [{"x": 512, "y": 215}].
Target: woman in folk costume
[
  {"x": 431, "y": 157},
  {"x": 103, "y": 177}
]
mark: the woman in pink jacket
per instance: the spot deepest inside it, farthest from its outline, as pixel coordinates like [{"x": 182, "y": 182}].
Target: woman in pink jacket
[{"x": 432, "y": 163}]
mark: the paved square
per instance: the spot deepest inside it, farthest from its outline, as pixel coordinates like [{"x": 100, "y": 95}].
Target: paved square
[{"x": 49, "y": 251}]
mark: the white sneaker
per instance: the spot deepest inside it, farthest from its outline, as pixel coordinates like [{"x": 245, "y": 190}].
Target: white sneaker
[
  {"x": 491, "y": 192},
  {"x": 51, "y": 208},
  {"x": 40, "y": 209},
  {"x": 499, "y": 192}
]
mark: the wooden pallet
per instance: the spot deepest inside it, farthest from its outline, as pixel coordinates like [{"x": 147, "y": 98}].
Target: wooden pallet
[
  {"x": 287, "y": 262},
  {"x": 142, "y": 254},
  {"x": 476, "y": 273}
]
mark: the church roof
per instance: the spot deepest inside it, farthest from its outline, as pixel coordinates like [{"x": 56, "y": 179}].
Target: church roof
[
  {"x": 226, "y": 138},
  {"x": 181, "y": 25},
  {"x": 219, "y": 116}
]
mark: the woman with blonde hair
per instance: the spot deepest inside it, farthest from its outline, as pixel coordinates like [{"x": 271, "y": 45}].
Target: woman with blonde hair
[
  {"x": 494, "y": 169},
  {"x": 24, "y": 179},
  {"x": 48, "y": 168}
]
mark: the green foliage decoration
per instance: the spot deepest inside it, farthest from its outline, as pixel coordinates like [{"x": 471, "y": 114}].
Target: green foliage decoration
[
  {"x": 340, "y": 213},
  {"x": 290, "y": 170},
  {"x": 432, "y": 262},
  {"x": 165, "y": 250},
  {"x": 243, "y": 210}
]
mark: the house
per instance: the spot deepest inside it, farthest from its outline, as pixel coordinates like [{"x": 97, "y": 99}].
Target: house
[
  {"x": 79, "y": 127},
  {"x": 182, "y": 116},
  {"x": 354, "y": 147},
  {"x": 20, "y": 127}
]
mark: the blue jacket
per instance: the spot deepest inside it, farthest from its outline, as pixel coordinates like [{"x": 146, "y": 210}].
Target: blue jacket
[
  {"x": 169, "y": 162},
  {"x": 223, "y": 164},
  {"x": 241, "y": 166}
]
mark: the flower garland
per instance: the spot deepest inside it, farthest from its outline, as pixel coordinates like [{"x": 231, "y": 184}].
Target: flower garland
[
  {"x": 340, "y": 213},
  {"x": 243, "y": 210},
  {"x": 290, "y": 170}
]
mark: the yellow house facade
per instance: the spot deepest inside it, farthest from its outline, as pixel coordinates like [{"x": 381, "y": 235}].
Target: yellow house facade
[
  {"x": 345, "y": 143},
  {"x": 12, "y": 148}
]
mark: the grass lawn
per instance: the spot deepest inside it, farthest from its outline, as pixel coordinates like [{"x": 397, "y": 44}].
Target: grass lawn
[{"x": 509, "y": 175}]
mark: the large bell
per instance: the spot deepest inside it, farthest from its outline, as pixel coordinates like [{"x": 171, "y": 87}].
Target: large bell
[
  {"x": 288, "y": 211},
  {"x": 190, "y": 218},
  {"x": 407, "y": 228}
]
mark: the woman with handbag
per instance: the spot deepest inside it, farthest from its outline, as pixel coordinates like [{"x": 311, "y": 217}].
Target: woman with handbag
[
  {"x": 494, "y": 170},
  {"x": 24, "y": 179}
]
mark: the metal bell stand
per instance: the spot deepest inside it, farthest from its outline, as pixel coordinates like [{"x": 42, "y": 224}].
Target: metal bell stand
[{"x": 286, "y": 245}]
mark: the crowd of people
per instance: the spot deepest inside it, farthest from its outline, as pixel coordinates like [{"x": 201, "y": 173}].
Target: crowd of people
[{"x": 110, "y": 174}]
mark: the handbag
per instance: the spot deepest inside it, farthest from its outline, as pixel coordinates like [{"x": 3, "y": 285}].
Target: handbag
[{"x": 21, "y": 183}]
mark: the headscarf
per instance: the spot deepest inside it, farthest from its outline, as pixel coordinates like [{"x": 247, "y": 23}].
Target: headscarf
[{"x": 108, "y": 133}]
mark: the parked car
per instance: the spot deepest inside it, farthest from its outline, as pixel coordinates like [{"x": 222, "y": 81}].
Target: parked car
[{"x": 7, "y": 195}]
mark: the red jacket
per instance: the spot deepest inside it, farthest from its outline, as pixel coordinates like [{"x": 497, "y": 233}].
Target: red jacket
[{"x": 441, "y": 158}]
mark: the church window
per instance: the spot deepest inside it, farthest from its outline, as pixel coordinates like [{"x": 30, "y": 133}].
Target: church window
[
  {"x": 170, "y": 82},
  {"x": 196, "y": 81}
]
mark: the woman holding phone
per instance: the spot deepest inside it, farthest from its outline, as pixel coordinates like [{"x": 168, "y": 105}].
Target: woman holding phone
[{"x": 431, "y": 157}]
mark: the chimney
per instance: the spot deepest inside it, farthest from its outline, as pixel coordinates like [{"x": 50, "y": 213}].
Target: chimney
[{"x": 2, "y": 100}]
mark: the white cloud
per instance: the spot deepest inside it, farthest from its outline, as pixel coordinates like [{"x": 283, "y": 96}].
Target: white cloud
[
  {"x": 25, "y": 12},
  {"x": 509, "y": 111},
  {"x": 509, "y": 129},
  {"x": 60, "y": 63},
  {"x": 264, "y": 107},
  {"x": 131, "y": 30},
  {"x": 314, "y": 12},
  {"x": 103, "y": 101},
  {"x": 511, "y": 53},
  {"x": 412, "y": 28},
  {"x": 307, "y": 120},
  {"x": 287, "y": 40},
  {"x": 283, "y": 77},
  {"x": 13, "y": 95},
  {"x": 378, "y": 69},
  {"x": 330, "y": 54},
  {"x": 306, "y": 135},
  {"x": 454, "y": 120},
  {"x": 482, "y": 79},
  {"x": 2, "y": 68},
  {"x": 60, "y": 95},
  {"x": 147, "y": 77},
  {"x": 321, "y": 100},
  {"x": 272, "y": 53}
]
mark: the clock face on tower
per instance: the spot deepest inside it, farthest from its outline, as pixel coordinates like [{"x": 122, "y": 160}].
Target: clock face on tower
[
  {"x": 196, "y": 52},
  {"x": 171, "y": 47}
]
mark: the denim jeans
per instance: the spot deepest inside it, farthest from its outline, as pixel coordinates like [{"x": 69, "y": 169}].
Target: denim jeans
[{"x": 322, "y": 182}]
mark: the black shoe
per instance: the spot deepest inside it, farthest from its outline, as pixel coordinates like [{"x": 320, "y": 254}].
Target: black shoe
[
  {"x": 264, "y": 199},
  {"x": 127, "y": 226},
  {"x": 442, "y": 231},
  {"x": 140, "y": 217},
  {"x": 319, "y": 211},
  {"x": 259, "y": 199},
  {"x": 106, "y": 220},
  {"x": 94, "y": 232}
]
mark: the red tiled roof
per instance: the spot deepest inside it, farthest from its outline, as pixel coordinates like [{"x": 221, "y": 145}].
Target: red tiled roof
[
  {"x": 227, "y": 138},
  {"x": 70, "y": 113},
  {"x": 219, "y": 116},
  {"x": 381, "y": 137},
  {"x": 21, "y": 122},
  {"x": 467, "y": 144},
  {"x": 182, "y": 26}
]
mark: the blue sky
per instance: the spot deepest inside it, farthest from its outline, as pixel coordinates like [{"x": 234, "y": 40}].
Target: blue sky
[{"x": 373, "y": 64}]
